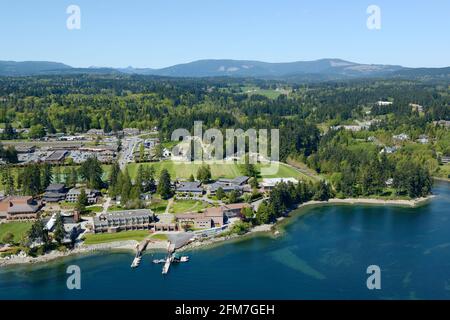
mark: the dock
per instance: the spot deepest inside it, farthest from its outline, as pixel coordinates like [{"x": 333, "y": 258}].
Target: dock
[
  {"x": 136, "y": 262},
  {"x": 166, "y": 266},
  {"x": 139, "y": 249}
]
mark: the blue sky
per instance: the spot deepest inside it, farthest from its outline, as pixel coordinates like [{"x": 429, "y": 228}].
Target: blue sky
[{"x": 159, "y": 33}]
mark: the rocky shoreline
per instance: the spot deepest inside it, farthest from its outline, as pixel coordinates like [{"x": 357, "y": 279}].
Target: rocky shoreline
[
  {"x": 129, "y": 245},
  {"x": 267, "y": 228}
]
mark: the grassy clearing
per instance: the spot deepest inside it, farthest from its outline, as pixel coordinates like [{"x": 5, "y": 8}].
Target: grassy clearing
[
  {"x": 226, "y": 170},
  {"x": 269, "y": 93},
  {"x": 158, "y": 205},
  {"x": 185, "y": 170},
  {"x": 159, "y": 237},
  {"x": 137, "y": 235},
  {"x": 180, "y": 206},
  {"x": 94, "y": 208},
  {"x": 18, "y": 229}
]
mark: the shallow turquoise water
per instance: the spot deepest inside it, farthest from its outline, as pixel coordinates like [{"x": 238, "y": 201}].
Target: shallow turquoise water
[{"x": 323, "y": 255}]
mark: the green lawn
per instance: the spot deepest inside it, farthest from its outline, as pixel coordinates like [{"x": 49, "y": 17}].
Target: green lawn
[
  {"x": 180, "y": 206},
  {"x": 285, "y": 171},
  {"x": 158, "y": 205},
  {"x": 269, "y": 93},
  {"x": 184, "y": 170},
  {"x": 137, "y": 235},
  {"x": 226, "y": 170},
  {"x": 18, "y": 229},
  {"x": 159, "y": 237},
  {"x": 94, "y": 208}
]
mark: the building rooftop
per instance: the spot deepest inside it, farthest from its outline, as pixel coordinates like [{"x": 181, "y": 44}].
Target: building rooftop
[
  {"x": 55, "y": 187},
  {"x": 58, "y": 155},
  {"x": 226, "y": 187},
  {"x": 273, "y": 181},
  {"x": 240, "y": 180},
  {"x": 20, "y": 204},
  {"x": 128, "y": 214},
  {"x": 190, "y": 187}
]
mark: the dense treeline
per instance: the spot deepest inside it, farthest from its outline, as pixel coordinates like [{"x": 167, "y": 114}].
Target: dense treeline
[
  {"x": 111, "y": 102},
  {"x": 71, "y": 104},
  {"x": 285, "y": 196},
  {"x": 359, "y": 169}
]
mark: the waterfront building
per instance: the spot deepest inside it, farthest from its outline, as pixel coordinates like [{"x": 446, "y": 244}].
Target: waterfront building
[
  {"x": 116, "y": 221},
  {"x": 19, "y": 208},
  {"x": 212, "y": 217},
  {"x": 270, "y": 183},
  {"x": 234, "y": 210}
]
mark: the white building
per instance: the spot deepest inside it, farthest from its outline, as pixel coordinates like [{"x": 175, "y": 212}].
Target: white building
[
  {"x": 384, "y": 103},
  {"x": 270, "y": 183}
]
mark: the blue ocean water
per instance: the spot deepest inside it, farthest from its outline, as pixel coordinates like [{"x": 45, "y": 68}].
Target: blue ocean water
[{"x": 323, "y": 254}]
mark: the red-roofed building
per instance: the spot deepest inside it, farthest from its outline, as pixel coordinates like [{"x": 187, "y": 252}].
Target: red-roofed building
[{"x": 19, "y": 208}]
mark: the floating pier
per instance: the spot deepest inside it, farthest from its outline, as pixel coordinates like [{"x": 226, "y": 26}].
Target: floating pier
[
  {"x": 166, "y": 266},
  {"x": 139, "y": 249},
  {"x": 136, "y": 262}
]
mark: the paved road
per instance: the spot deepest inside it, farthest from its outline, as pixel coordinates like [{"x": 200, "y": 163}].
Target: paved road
[
  {"x": 126, "y": 154},
  {"x": 105, "y": 206}
]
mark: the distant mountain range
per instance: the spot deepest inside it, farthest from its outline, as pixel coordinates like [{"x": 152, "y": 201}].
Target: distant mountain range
[{"x": 324, "y": 69}]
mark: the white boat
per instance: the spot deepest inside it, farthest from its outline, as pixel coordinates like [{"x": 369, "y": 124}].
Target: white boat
[{"x": 159, "y": 260}]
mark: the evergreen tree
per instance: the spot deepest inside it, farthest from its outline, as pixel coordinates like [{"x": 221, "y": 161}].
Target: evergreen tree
[
  {"x": 30, "y": 180},
  {"x": 149, "y": 179},
  {"x": 47, "y": 175},
  {"x": 164, "y": 185},
  {"x": 38, "y": 233},
  {"x": 125, "y": 186},
  {"x": 8, "y": 181},
  {"x": 220, "y": 194},
  {"x": 82, "y": 201},
  {"x": 57, "y": 174},
  {"x": 323, "y": 192},
  {"x": 91, "y": 172},
  {"x": 73, "y": 178},
  {"x": 140, "y": 179},
  {"x": 59, "y": 231},
  {"x": 233, "y": 197},
  {"x": 253, "y": 183},
  {"x": 204, "y": 173},
  {"x": 113, "y": 178}
]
